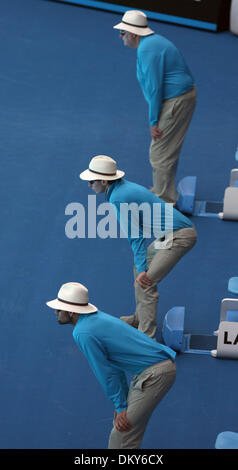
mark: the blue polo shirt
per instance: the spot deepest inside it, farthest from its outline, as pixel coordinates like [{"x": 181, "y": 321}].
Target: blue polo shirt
[
  {"x": 113, "y": 348},
  {"x": 161, "y": 72},
  {"x": 155, "y": 218}
]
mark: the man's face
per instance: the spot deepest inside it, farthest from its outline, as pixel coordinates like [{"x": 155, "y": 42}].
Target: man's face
[
  {"x": 97, "y": 186},
  {"x": 63, "y": 317},
  {"x": 129, "y": 39}
]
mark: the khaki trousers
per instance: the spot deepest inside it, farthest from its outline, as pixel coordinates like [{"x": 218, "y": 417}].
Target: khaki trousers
[
  {"x": 146, "y": 391},
  {"x": 174, "y": 121},
  {"x": 160, "y": 261}
]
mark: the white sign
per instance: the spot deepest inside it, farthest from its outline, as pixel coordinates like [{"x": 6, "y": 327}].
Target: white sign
[{"x": 227, "y": 344}]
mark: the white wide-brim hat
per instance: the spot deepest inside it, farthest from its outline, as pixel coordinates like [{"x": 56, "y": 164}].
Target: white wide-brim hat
[
  {"x": 72, "y": 297},
  {"x": 134, "y": 21},
  {"x": 102, "y": 167}
]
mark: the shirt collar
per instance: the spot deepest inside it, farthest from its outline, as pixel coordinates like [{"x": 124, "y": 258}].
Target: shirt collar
[{"x": 110, "y": 189}]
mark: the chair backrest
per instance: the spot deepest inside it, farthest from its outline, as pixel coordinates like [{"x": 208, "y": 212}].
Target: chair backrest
[
  {"x": 228, "y": 305},
  {"x": 173, "y": 328},
  {"x": 233, "y": 285},
  {"x": 186, "y": 189},
  {"x": 234, "y": 176}
]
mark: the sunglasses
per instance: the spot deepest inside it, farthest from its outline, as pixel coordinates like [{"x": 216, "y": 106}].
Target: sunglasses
[{"x": 122, "y": 32}]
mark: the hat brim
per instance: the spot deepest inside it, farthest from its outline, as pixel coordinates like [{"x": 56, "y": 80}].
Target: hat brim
[
  {"x": 83, "y": 309},
  {"x": 89, "y": 175},
  {"x": 134, "y": 29}
]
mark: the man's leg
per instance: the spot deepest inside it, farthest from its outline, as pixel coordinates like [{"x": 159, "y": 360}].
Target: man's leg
[
  {"x": 146, "y": 391},
  {"x": 164, "y": 179},
  {"x": 160, "y": 263},
  {"x": 146, "y": 309},
  {"x": 175, "y": 117},
  {"x": 133, "y": 319}
]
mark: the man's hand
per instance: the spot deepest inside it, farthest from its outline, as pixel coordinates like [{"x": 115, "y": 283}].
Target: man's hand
[
  {"x": 143, "y": 280},
  {"x": 156, "y": 133},
  {"x": 121, "y": 422}
]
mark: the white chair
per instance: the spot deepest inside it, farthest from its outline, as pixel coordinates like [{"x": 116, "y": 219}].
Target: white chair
[
  {"x": 228, "y": 309},
  {"x": 230, "y": 205},
  {"x": 234, "y": 17}
]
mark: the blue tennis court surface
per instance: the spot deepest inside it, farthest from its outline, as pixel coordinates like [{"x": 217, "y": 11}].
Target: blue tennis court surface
[{"x": 69, "y": 92}]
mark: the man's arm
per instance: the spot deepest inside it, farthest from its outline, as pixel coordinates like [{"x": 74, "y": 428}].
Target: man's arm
[
  {"x": 131, "y": 227},
  {"x": 152, "y": 69},
  {"x": 130, "y": 224},
  {"x": 112, "y": 380}
]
